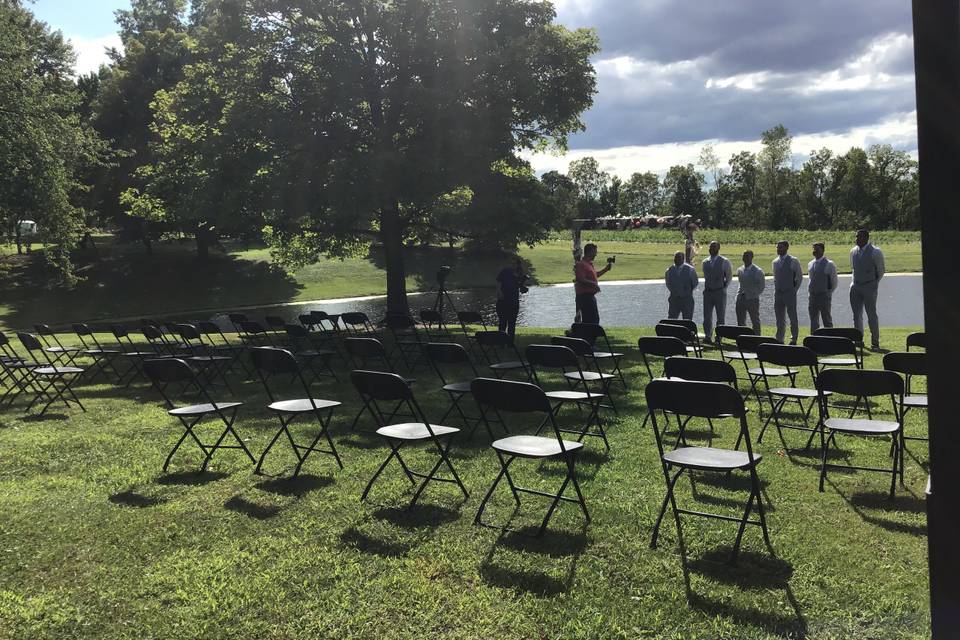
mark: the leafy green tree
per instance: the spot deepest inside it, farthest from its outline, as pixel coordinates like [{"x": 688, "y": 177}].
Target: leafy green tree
[
  {"x": 562, "y": 193},
  {"x": 683, "y": 191},
  {"x": 590, "y": 181},
  {"x": 640, "y": 195},
  {"x": 775, "y": 175},
  {"x": 890, "y": 185},
  {"x": 813, "y": 189},
  {"x": 343, "y": 123},
  {"x": 745, "y": 192},
  {"x": 44, "y": 144},
  {"x": 610, "y": 196}
]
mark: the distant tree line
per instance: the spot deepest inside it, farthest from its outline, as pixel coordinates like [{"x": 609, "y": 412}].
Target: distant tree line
[{"x": 875, "y": 187}]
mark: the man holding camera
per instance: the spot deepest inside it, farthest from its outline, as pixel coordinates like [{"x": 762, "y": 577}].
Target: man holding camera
[
  {"x": 510, "y": 284},
  {"x": 586, "y": 284}
]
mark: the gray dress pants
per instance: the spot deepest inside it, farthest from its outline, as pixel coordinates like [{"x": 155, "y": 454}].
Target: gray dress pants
[
  {"x": 784, "y": 304},
  {"x": 864, "y": 296},
  {"x": 714, "y": 300},
  {"x": 819, "y": 306}
]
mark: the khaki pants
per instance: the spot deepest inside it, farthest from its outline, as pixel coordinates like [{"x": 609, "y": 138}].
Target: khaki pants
[{"x": 746, "y": 307}]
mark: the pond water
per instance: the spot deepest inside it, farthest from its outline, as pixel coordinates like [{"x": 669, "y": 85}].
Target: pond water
[{"x": 632, "y": 304}]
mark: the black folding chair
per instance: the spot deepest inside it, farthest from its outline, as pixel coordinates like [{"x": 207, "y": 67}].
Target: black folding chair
[
  {"x": 838, "y": 351},
  {"x": 450, "y": 354},
  {"x": 253, "y": 334},
  {"x": 862, "y": 383},
  {"x": 133, "y": 353},
  {"x": 53, "y": 381},
  {"x": 405, "y": 340},
  {"x": 467, "y": 321},
  {"x": 159, "y": 342},
  {"x": 492, "y": 344},
  {"x": 377, "y": 386},
  {"x": 211, "y": 367},
  {"x": 357, "y": 323},
  {"x": 269, "y": 362},
  {"x": 726, "y": 341},
  {"x": 166, "y": 371},
  {"x": 588, "y": 374},
  {"x": 316, "y": 358},
  {"x": 16, "y": 373},
  {"x": 594, "y": 333},
  {"x": 506, "y": 396},
  {"x": 909, "y": 364},
  {"x": 685, "y": 335},
  {"x": 777, "y": 358},
  {"x": 561, "y": 358},
  {"x": 697, "y": 370},
  {"x": 747, "y": 345},
  {"x": 434, "y": 326},
  {"x": 917, "y": 340},
  {"x": 689, "y": 324},
  {"x": 63, "y": 354},
  {"x": 850, "y": 333},
  {"x": 218, "y": 344},
  {"x": 235, "y": 319},
  {"x": 366, "y": 351},
  {"x": 659, "y": 347},
  {"x": 103, "y": 358},
  {"x": 704, "y": 400}
]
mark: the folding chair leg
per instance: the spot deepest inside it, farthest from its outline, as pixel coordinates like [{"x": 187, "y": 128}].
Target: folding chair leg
[
  {"x": 188, "y": 431},
  {"x": 671, "y": 482},
  {"x": 504, "y": 464},
  {"x": 394, "y": 453}
]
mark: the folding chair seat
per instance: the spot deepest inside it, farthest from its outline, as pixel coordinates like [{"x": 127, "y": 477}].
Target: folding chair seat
[
  {"x": 834, "y": 351},
  {"x": 316, "y": 359},
  {"x": 562, "y": 359},
  {"x": 909, "y": 364},
  {"x": 166, "y": 371},
  {"x": 160, "y": 343},
  {"x": 659, "y": 347},
  {"x": 506, "y": 396},
  {"x": 377, "y": 386},
  {"x": 698, "y": 370},
  {"x": 917, "y": 340},
  {"x": 852, "y": 334},
  {"x": 103, "y": 358},
  {"x": 862, "y": 383},
  {"x": 491, "y": 344},
  {"x": 269, "y": 362},
  {"x": 590, "y": 373},
  {"x": 683, "y": 334},
  {"x": 63, "y": 354},
  {"x": 689, "y": 324},
  {"x": 54, "y": 381},
  {"x": 594, "y": 333},
  {"x": 451, "y": 354},
  {"x": 712, "y": 400},
  {"x": 726, "y": 337},
  {"x": 777, "y": 357},
  {"x": 357, "y": 323},
  {"x": 211, "y": 366},
  {"x": 747, "y": 345}
]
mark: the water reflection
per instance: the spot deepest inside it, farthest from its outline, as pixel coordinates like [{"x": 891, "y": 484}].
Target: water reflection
[{"x": 634, "y": 304}]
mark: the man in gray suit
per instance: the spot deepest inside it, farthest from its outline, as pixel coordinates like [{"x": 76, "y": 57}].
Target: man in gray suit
[
  {"x": 787, "y": 278},
  {"x": 752, "y": 283},
  {"x": 867, "y": 263},
  {"x": 717, "y": 273},
  {"x": 681, "y": 280},
  {"x": 823, "y": 282}
]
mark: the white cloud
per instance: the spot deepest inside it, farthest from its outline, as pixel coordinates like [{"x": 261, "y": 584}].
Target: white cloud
[
  {"x": 900, "y": 131},
  {"x": 92, "y": 52}
]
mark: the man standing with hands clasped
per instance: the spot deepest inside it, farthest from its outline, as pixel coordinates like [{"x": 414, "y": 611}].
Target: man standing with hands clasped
[
  {"x": 787, "y": 278},
  {"x": 681, "y": 280},
  {"x": 752, "y": 284},
  {"x": 823, "y": 282},
  {"x": 867, "y": 263},
  {"x": 717, "y": 274}
]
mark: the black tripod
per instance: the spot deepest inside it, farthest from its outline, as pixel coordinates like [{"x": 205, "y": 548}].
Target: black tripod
[{"x": 443, "y": 298}]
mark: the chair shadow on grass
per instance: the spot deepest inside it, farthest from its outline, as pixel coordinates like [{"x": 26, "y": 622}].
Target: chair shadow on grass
[
  {"x": 394, "y": 531},
  {"x": 256, "y": 511},
  {"x": 190, "y": 478},
  {"x": 872, "y": 505},
  {"x": 294, "y": 487},
  {"x": 754, "y": 572},
  {"x": 739, "y": 482},
  {"x": 130, "y": 498},
  {"x": 562, "y": 547}
]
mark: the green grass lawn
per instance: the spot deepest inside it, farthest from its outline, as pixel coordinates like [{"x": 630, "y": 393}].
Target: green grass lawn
[
  {"x": 121, "y": 281},
  {"x": 96, "y": 542}
]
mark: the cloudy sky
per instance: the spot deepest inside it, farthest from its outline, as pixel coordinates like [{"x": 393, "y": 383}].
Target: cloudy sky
[{"x": 676, "y": 74}]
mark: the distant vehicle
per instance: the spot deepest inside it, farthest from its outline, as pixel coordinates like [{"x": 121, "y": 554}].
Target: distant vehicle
[{"x": 27, "y": 228}]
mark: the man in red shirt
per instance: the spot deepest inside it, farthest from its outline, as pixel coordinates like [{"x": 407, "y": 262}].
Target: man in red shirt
[{"x": 586, "y": 285}]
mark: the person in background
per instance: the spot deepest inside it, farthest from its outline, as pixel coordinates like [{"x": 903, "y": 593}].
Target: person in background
[
  {"x": 587, "y": 285},
  {"x": 510, "y": 284},
  {"x": 717, "y": 273},
  {"x": 787, "y": 279},
  {"x": 690, "y": 244},
  {"x": 822, "y": 273},
  {"x": 681, "y": 280},
  {"x": 867, "y": 263},
  {"x": 752, "y": 283}
]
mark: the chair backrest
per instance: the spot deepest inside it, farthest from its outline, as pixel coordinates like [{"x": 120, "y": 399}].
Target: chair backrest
[
  {"x": 578, "y": 345},
  {"x": 861, "y": 382},
  {"x": 30, "y": 342},
  {"x": 188, "y": 332},
  {"x": 252, "y": 327},
  {"x": 830, "y": 345},
  {"x": 510, "y": 396},
  {"x": 661, "y": 346},
  {"x": 700, "y": 399},
  {"x": 297, "y": 331},
  {"x": 430, "y": 316},
  {"x": 917, "y": 339},
  {"x": 151, "y": 333},
  {"x": 355, "y": 318},
  {"x": 680, "y": 322},
  {"x": 906, "y": 362},
  {"x": 379, "y": 385},
  {"x": 43, "y": 330},
  {"x": 676, "y": 331},
  {"x": 731, "y": 331},
  {"x": 447, "y": 352},
  {"x": 850, "y": 333},
  {"x": 551, "y": 356},
  {"x": 786, "y": 355},
  {"x": 700, "y": 370},
  {"x": 495, "y": 339},
  {"x": 273, "y": 360},
  {"x": 81, "y": 329},
  {"x": 208, "y": 328},
  {"x": 587, "y": 331},
  {"x": 399, "y": 322},
  {"x": 167, "y": 370},
  {"x": 237, "y": 318},
  {"x": 275, "y": 321},
  {"x": 748, "y": 343},
  {"x": 364, "y": 348},
  {"x": 119, "y": 331},
  {"x": 470, "y": 317}
]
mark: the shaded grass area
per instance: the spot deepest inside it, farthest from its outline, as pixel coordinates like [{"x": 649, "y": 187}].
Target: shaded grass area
[
  {"x": 97, "y": 542},
  {"x": 121, "y": 281}
]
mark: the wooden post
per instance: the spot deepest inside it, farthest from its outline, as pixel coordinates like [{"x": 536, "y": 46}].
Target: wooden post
[{"x": 936, "y": 41}]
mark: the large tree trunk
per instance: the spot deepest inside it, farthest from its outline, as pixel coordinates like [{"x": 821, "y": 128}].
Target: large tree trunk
[
  {"x": 16, "y": 231},
  {"x": 392, "y": 237}
]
